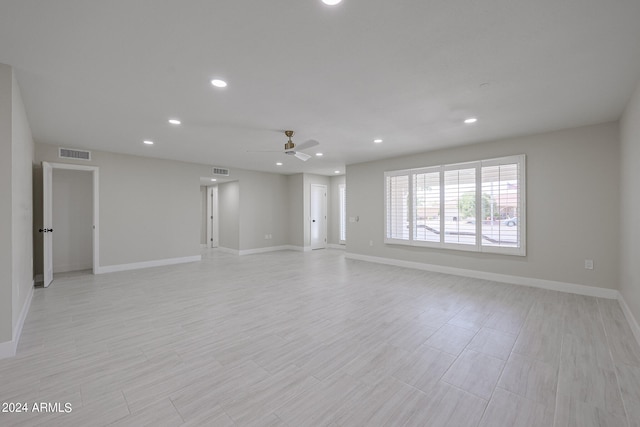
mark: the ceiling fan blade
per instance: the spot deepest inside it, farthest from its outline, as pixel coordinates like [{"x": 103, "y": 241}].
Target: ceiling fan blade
[
  {"x": 307, "y": 144},
  {"x": 264, "y": 151},
  {"x": 302, "y": 156}
]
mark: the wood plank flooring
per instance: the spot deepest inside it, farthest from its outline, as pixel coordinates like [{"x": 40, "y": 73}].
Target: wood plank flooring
[{"x": 311, "y": 339}]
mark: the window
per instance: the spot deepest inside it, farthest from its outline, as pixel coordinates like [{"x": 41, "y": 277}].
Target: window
[
  {"x": 342, "y": 194},
  {"x": 475, "y": 206}
]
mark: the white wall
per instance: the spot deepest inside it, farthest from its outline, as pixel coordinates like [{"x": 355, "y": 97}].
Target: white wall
[
  {"x": 630, "y": 204},
  {"x": 572, "y": 207},
  {"x": 16, "y": 221},
  {"x": 229, "y": 215},
  {"x": 72, "y": 220}
]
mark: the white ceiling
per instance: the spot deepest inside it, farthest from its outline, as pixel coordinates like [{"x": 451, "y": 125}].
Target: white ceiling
[{"x": 107, "y": 74}]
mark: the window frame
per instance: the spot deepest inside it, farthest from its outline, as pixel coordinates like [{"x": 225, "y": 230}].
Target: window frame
[{"x": 520, "y": 250}]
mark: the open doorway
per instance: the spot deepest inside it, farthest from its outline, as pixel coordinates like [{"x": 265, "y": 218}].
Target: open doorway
[
  {"x": 69, "y": 223},
  {"x": 209, "y": 216}
]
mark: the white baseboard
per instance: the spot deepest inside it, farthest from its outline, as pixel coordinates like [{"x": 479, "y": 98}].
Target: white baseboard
[
  {"x": 263, "y": 250},
  {"x": 571, "y": 288},
  {"x": 71, "y": 267},
  {"x": 335, "y": 246},
  {"x": 8, "y": 348},
  {"x": 633, "y": 322},
  {"x": 147, "y": 264},
  {"x": 228, "y": 250}
]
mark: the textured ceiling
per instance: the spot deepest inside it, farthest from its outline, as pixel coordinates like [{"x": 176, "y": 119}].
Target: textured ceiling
[{"x": 107, "y": 74}]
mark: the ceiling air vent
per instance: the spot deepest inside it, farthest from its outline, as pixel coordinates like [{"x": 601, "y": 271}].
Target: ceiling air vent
[
  {"x": 221, "y": 171},
  {"x": 68, "y": 153}
]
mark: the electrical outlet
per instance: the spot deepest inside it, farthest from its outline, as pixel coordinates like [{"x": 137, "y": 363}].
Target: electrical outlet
[
  {"x": 266, "y": 237},
  {"x": 588, "y": 264},
  {"x": 370, "y": 242}
]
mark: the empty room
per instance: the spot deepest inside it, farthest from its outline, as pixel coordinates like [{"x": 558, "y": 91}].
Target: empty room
[{"x": 320, "y": 213}]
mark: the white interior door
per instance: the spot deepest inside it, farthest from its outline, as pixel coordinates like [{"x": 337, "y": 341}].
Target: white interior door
[
  {"x": 47, "y": 226},
  {"x": 212, "y": 217},
  {"x": 318, "y": 216}
]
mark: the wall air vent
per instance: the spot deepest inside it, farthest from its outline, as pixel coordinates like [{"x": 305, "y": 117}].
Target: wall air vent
[
  {"x": 68, "y": 153},
  {"x": 221, "y": 171}
]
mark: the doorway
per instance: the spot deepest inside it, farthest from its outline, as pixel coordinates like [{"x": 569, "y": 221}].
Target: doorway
[
  {"x": 318, "y": 218},
  {"x": 212, "y": 210},
  {"x": 70, "y": 211}
]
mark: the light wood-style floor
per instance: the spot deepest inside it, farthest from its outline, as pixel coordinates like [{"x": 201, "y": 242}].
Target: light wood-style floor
[{"x": 311, "y": 339}]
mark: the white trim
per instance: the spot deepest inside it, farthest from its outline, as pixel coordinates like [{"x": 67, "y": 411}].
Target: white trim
[
  {"x": 263, "y": 250},
  {"x": 228, "y": 250},
  {"x": 633, "y": 322},
  {"x": 9, "y": 348},
  {"x": 334, "y": 246},
  {"x": 70, "y": 267},
  {"x": 497, "y": 277},
  {"x": 95, "y": 174},
  {"x": 17, "y": 332},
  {"x": 147, "y": 264}
]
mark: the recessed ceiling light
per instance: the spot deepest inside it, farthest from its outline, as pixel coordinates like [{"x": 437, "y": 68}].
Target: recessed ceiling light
[
  {"x": 377, "y": 141},
  {"x": 471, "y": 120},
  {"x": 336, "y": 171},
  {"x": 213, "y": 179},
  {"x": 279, "y": 164},
  {"x": 175, "y": 121},
  {"x": 148, "y": 142},
  {"x": 218, "y": 83},
  {"x": 331, "y": 2},
  {"x": 319, "y": 154}
]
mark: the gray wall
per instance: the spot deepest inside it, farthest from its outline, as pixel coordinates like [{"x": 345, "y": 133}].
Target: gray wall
[
  {"x": 333, "y": 209},
  {"x": 22, "y": 154},
  {"x": 263, "y": 203},
  {"x": 203, "y": 215},
  {"x": 73, "y": 219},
  {"x": 6, "y": 305},
  {"x": 16, "y": 221},
  {"x": 149, "y": 208},
  {"x": 295, "y": 219},
  {"x": 630, "y": 204},
  {"x": 229, "y": 215},
  {"x": 572, "y": 207}
]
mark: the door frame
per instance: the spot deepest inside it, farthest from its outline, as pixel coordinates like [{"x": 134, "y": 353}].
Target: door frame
[
  {"x": 323, "y": 230},
  {"x": 212, "y": 217},
  {"x": 47, "y": 197}
]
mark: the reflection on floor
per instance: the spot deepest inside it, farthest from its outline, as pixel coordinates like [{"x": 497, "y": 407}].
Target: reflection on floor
[{"x": 311, "y": 339}]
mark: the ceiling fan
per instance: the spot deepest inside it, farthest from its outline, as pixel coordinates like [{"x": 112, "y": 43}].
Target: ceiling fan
[{"x": 292, "y": 149}]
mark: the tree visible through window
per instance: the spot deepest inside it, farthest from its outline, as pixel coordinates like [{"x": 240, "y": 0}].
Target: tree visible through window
[{"x": 477, "y": 206}]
